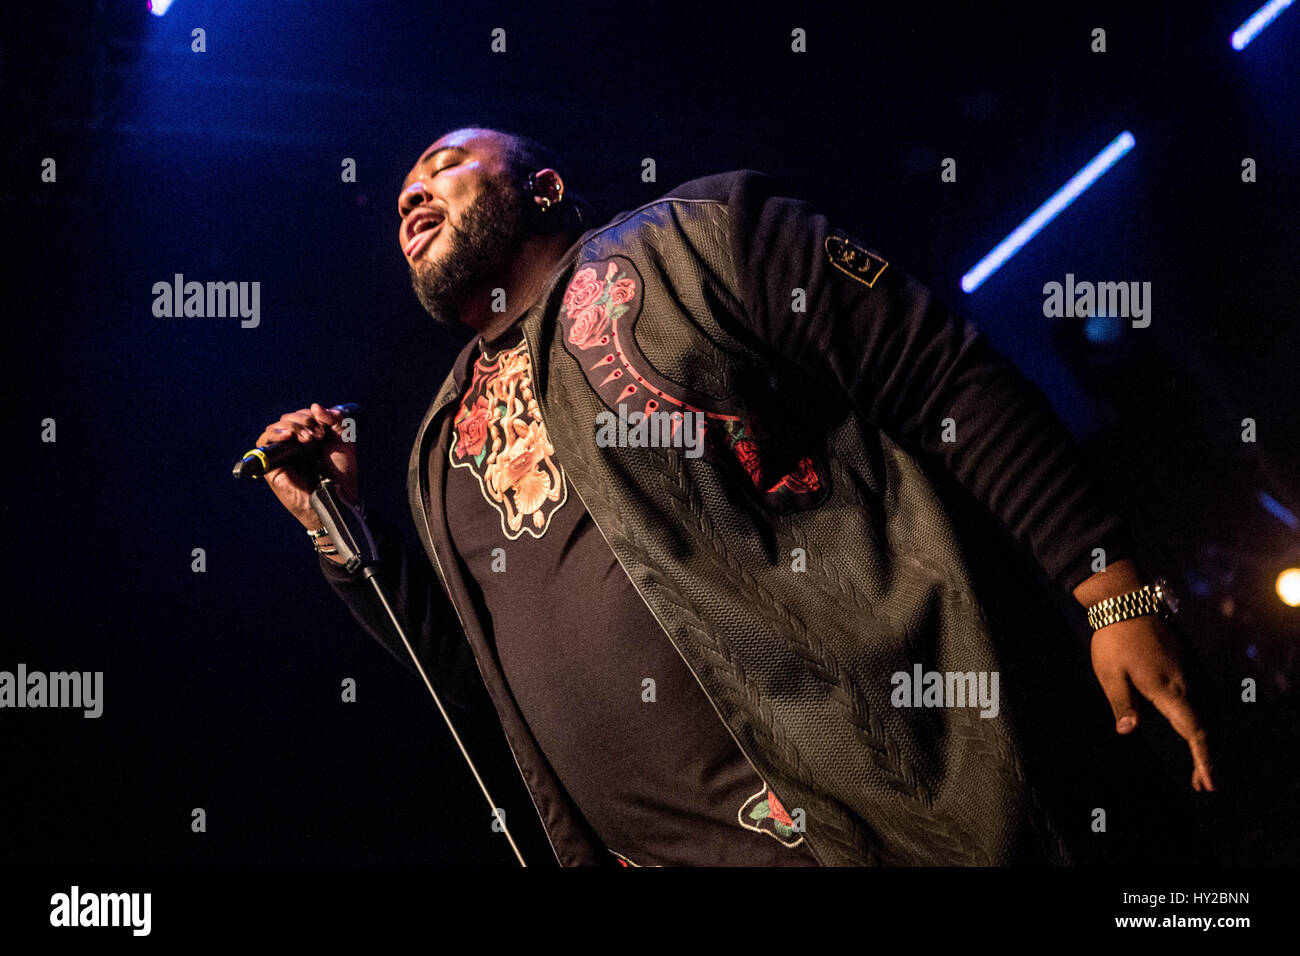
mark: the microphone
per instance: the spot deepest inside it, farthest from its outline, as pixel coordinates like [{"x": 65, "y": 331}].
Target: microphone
[{"x": 258, "y": 461}]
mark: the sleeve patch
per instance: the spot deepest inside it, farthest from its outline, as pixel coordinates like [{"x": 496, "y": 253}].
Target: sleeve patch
[{"x": 854, "y": 260}]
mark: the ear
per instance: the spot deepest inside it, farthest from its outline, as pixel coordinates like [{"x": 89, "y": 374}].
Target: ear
[{"x": 547, "y": 185}]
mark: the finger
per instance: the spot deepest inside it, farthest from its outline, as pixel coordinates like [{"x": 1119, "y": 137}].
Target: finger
[
  {"x": 274, "y": 432},
  {"x": 332, "y": 420},
  {"x": 326, "y": 416},
  {"x": 304, "y": 425},
  {"x": 1120, "y": 695},
  {"x": 1169, "y": 696}
]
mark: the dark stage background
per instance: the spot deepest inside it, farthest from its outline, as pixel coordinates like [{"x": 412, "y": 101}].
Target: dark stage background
[{"x": 222, "y": 688}]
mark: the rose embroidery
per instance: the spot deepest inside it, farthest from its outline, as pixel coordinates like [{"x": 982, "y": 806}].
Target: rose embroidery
[
  {"x": 593, "y": 303},
  {"x": 588, "y": 326},
  {"x": 802, "y": 479},
  {"x": 763, "y": 812},
  {"x": 473, "y": 430},
  {"x": 583, "y": 291},
  {"x": 746, "y": 450},
  {"x": 776, "y": 811},
  {"x": 624, "y": 290}
]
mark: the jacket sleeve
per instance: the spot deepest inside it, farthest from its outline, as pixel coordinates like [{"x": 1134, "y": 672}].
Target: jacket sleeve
[
  {"x": 908, "y": 363},
  {"x": 418, "y": 600}
]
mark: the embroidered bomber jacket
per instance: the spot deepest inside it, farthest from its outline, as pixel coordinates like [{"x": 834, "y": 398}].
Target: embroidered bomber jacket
[{"x": 806, "y": 556}]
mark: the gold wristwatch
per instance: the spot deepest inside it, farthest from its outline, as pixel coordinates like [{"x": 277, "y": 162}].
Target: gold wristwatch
[{"x": 1155, "y": 598}]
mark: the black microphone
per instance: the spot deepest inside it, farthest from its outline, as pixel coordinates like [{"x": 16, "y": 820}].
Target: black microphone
[{"x": 258, "y": 461}]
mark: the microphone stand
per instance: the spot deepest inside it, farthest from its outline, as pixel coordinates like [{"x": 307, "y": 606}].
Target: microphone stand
[{"x": 348, "y": 531}]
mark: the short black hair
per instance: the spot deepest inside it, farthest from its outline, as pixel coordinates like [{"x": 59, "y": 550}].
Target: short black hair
[{"x": 523, "y": 155}]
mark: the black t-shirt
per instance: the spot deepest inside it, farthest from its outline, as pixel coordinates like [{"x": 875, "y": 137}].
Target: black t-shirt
[{"x": 622, "y": 720}]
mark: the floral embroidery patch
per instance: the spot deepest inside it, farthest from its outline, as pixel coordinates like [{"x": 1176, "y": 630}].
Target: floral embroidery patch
[
  {"x": 599, "y": 309},
  {"x": 501, "y": 438},
  {"x": 763, "y": 812}
]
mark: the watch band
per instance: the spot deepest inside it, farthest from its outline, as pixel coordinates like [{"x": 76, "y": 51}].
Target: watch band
[{"x": 1149, "y": 599}]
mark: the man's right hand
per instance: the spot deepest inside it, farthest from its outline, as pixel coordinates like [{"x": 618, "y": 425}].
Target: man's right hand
[{"x": 338, "y": 460}]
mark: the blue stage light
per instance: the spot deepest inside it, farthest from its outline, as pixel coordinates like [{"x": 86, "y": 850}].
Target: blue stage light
[
  {"x": 1279, "y": 511},
  {"x": 1103, "y": 329},
  {"x": 1048, "y": 211},
  {"x": 159, "y": 7},
  {"x": 1257, "y": 22}
]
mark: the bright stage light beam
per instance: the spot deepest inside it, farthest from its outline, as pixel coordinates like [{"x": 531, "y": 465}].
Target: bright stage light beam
[
  {"x": 158, "y": 7},
  {"x": 1048, "y": 211},
  {"x": 1257, "y": 22}
]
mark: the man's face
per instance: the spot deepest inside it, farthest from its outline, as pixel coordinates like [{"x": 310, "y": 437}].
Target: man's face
[{"x": 462, "y": 219}]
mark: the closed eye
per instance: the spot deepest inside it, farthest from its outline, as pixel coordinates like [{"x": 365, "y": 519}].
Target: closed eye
[{"x": 429, "y": 178}]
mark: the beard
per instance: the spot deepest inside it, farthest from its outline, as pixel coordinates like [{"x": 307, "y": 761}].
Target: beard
[{"x": 487, "y": 236}]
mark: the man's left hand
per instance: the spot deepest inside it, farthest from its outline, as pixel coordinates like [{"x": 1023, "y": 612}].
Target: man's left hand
[{"x": 1142, "y": 653}]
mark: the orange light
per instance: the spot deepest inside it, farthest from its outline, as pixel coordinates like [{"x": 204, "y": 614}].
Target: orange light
[{"x": 1288, "y": 587}]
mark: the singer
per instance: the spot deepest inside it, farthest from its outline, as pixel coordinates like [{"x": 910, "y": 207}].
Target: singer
[{"x": 691, "y": 657}]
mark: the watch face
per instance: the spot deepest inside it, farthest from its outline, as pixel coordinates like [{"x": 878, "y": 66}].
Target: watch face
[{"x": 1167, "y": 595}]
